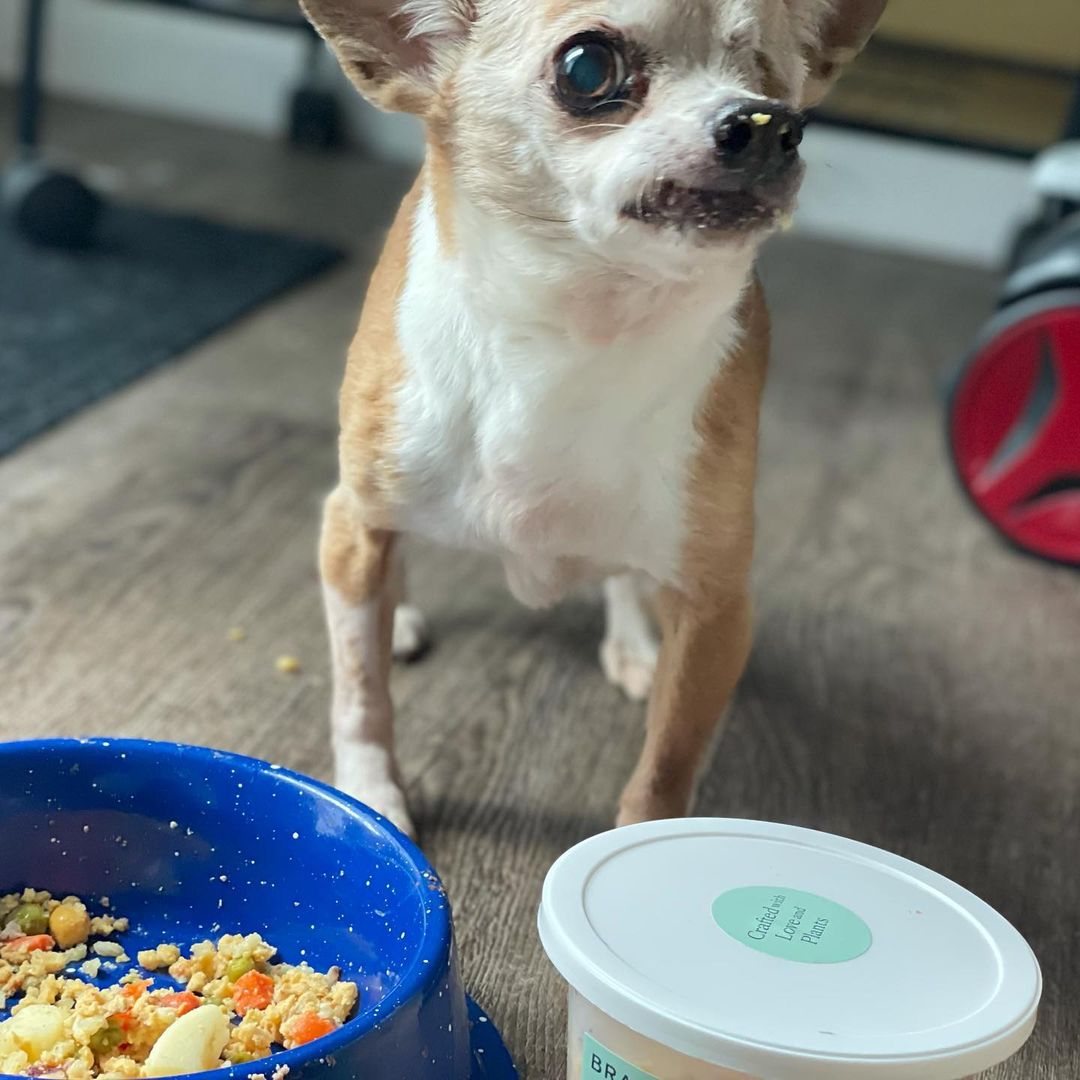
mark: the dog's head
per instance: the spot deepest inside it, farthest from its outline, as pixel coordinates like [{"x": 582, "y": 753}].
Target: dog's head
[{"x": 633, "y": 126}]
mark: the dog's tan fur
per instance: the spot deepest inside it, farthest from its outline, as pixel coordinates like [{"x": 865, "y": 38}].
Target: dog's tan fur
[
  {"x": 705, "y": 610},
  {"x": 695, "y": 679},
  {"x": 373, "y": 372}
]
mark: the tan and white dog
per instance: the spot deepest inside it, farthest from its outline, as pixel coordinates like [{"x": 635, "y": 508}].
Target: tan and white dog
[{"x": 561, "y": 354}]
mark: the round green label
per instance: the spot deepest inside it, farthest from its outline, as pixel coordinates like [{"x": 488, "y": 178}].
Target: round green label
[{"x": 792, "y": 925}]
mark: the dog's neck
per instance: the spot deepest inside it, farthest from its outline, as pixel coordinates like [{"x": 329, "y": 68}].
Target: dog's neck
[{"x": 550, "y": 278}]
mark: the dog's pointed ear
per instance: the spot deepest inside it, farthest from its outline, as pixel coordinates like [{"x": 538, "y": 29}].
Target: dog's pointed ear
[
  {"x": 844, "y": 29},
  {"x": 393, "y": 50}
]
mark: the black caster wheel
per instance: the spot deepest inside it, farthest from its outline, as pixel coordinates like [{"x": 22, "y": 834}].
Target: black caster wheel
[
  {"x": 315, "y": 120},
  {"x": 1014, "y": 424},
  {"x": 49, "y": 208}
]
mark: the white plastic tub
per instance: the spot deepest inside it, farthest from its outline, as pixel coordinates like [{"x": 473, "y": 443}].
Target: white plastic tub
[{"x": 710, "y": 949}]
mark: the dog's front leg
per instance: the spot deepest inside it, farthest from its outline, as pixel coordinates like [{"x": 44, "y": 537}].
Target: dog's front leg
[
  {"x": 705, "y": 645},
  {"x": 360, "y": 579}
]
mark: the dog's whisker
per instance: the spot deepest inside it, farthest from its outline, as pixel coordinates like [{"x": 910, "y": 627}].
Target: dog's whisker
[
  {"x": 608, "y": 105},
  {"x": 593, "y": 127},
  {"x": 533, "y": 217}
]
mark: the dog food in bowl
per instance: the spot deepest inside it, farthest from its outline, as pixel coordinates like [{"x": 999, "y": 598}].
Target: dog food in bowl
[
  {"x": 191, "y": 845},
  {"x": 714, "y": 949},
  {"x": 226, "y": 1003}
]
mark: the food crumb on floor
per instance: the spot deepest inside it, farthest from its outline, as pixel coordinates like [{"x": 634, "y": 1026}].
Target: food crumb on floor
[
  {"x": 237, "y": 633},
  {"x": 288, "y": 665}
]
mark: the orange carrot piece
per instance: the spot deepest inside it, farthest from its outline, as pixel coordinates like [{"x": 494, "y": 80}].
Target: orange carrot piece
[
  {"x": 182, "y": 1002},
  {"x": 124, "y": 1020},
  {"x": 134, "y": 991},
  {"x": 31, "y": 943},
  {"x": 307, "y": 1027},
  {"x": 252, "y": 991}
]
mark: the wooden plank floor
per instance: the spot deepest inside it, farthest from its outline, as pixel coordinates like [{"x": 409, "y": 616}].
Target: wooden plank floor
[{"x": 913, "y": 684}]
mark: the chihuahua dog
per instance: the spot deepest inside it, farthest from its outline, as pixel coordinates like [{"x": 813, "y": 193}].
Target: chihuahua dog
[{"x": 561, "y": 354}]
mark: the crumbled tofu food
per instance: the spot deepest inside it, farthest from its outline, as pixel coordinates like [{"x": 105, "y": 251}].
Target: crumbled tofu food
[
  {"x": 156, "y": 959},
  {"x": 104, "y": 925},
  {"x": 228, "y": 1002},
  {"x": 287, "y": 665},
  {"x": 761, "y": 118},
  {"x": 91, "y": 968}
]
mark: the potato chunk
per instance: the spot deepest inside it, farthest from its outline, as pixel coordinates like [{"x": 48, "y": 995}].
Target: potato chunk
[
  {"x": 33, "y": 1030},
  {"x": 191, "y": 1044}
]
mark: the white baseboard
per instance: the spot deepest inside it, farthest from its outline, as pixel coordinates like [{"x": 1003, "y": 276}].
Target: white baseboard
[
  {"x": 863, "y": 189},
  {"x": 884, "y": 192},
  {"x": 158, "y": 60}
]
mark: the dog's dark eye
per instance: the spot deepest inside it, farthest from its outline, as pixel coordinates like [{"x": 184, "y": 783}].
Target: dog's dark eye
[{"x": 590, "y": 73}]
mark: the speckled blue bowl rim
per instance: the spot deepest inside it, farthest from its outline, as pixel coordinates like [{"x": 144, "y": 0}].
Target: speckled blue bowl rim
[{"x": 486, "y": 1043}]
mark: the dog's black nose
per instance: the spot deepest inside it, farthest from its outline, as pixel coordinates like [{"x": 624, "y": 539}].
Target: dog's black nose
[{"x": 758, "y": 137}]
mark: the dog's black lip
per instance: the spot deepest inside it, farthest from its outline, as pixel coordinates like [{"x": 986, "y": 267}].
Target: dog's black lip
[{"x": 708, "y": 209}]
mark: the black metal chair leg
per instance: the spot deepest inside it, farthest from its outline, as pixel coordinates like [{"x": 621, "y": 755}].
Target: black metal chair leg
[
  {"x": 43, "y": 205},
  {"x": 30, "y": 92}
]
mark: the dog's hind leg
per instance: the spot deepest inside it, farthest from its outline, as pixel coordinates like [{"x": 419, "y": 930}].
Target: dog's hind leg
[
  {"x": 629, "y": 649},
  {"x": 360, "y": 580},
  {"x": 411, "y": 637}
]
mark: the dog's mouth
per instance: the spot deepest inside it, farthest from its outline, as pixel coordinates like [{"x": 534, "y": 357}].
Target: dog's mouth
[{"x": 711, "y": 211}]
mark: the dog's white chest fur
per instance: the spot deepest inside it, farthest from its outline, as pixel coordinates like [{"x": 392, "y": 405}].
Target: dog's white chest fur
[{"x": 516, "y": 437}]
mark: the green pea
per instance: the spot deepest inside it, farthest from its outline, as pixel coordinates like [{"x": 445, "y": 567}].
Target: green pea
[
  {"x": 105, "y": 1040},
  {"x": 31, "y": 918},
  {"x": 241, "y": 965},
  {"x": 241, "y": 1057}
]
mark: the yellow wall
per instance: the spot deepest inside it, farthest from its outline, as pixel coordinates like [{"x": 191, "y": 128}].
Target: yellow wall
[{"x": 1034, "y": 31}]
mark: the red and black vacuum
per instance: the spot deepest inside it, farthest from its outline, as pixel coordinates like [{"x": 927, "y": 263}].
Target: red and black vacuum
[{"x": 1014, "y": 410}]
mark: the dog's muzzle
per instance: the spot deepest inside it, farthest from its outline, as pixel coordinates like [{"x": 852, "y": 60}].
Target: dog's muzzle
[{"x": 749, "y": 180}]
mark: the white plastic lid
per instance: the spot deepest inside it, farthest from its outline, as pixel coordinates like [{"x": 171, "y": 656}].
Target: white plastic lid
[{"x": 787, "y": 953}]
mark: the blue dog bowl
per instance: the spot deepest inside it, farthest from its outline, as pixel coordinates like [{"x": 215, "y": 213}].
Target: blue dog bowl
[{"x": 191, "y": 843}]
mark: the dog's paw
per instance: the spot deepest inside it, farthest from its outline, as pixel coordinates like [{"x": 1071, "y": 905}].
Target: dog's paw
[
  {"x": 634, "y": 808},
  {"x": 629, "y": 665},
  {"x": 392, "y": 805},
  {"x": 627, "y": 815},
  {"x": 384, "y": 798},
  {"x": 411, "y": 636},
  {"x": 370, "y": 774}
]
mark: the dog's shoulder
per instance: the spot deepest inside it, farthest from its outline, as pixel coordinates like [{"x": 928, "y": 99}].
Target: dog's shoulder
[
  {"x": 732, "y": 398},
  {"x": 718, "y": 543},
  {"x": 375, "y": 369}
]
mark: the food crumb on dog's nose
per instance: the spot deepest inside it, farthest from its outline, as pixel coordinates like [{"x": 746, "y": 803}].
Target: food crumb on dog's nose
[
  {"x": 760, "y": 118},
  {"x": 287, "y": 665}
]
